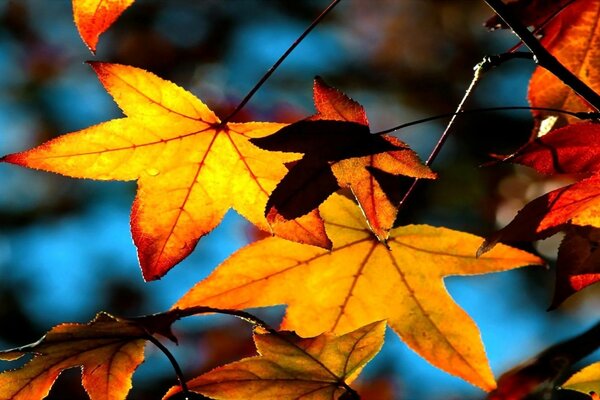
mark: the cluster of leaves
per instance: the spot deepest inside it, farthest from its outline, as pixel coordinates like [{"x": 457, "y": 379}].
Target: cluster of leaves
[
  {"x": 335, "y": 258},
  {"x": 564, "y": 146}
]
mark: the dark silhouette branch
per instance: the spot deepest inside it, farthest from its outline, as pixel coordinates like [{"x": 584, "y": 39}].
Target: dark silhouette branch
[{"x": 580, "y": 115}]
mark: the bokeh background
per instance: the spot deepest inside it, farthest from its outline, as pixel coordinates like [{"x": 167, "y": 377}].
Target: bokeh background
[{"x": 65, "y": 246}]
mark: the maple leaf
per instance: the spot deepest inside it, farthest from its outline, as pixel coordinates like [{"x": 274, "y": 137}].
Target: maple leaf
[
  {"x": 361, "y": 280},
  {"x": 291, "y": 367},
  {"x": 572, "y": 149},
  {"x": 190, "y": 168},
  {"x": 108, "y": 349},
  {"x": 573, "y": 37},
  {"x": 94, "y": 17},
  {"x": 339, "y": 152}
]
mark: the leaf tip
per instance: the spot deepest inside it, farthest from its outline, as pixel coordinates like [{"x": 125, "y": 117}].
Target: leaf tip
[
  {"x": 97, "y": 66},
  {"x": 14, "y": 158},
  {"x": 319, "y": 81},
  {"x": 152, "y": 270},
  {"x": 91, "y": 45}
]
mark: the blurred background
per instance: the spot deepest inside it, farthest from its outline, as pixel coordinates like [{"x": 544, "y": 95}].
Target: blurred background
[{"x": 65, "y": 245}]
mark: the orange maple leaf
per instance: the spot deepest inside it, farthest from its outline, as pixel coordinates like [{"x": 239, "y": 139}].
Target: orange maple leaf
[
  {"x": 573, "y": 37},
  {"x": 190, "y": 167},
  {"x": 94, "y": 17},
  {"x": 108, "y": 349},
  {"x": 361, "y": 280},
  {"x": 290, "y": 367},
  {"x": 339, "y": 152}
]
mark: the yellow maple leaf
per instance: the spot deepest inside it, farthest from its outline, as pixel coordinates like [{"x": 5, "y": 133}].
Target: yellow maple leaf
[
  {"x": 190, "y": 167},
  {"x": 361, "y": 280},
  {"x": 290, "y": 367}
]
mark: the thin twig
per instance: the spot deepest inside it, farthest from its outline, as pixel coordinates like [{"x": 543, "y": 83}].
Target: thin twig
[
  {"x": 580, "y": 115},
  {"x": 246, "y": 316},
  {"x": 543, "y": 56},
  {"x": 268, "y": 74},
  {"x": 479, "y": 68}
]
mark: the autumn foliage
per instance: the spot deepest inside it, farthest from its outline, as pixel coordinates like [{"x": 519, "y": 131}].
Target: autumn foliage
[{"x": 335, "y": 254}]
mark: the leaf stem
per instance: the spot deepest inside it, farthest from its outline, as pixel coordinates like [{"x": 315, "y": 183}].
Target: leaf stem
[
  {"x": 174, "y": 363},
  {"x": 543, "y": 56},
  {"x": 281, "y": 59},
  {"x": 580, "y": 115},
  {"x": 246, "y": 316}
]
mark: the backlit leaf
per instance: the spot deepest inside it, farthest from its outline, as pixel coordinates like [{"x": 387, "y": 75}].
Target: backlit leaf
[
  {"x": 339, "y": 152},
  {"x": 361, "y": 280},
  {"x": 577, "y": 204},
  {"x": 290, "y": 367},
  {"x": 573, "y": 37},
  {"x": 190, "y": 168},
  {"x": 107, "y": 349},
  {"x": 571, "y": 149},
  {"x": 93, "y": 17}
]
